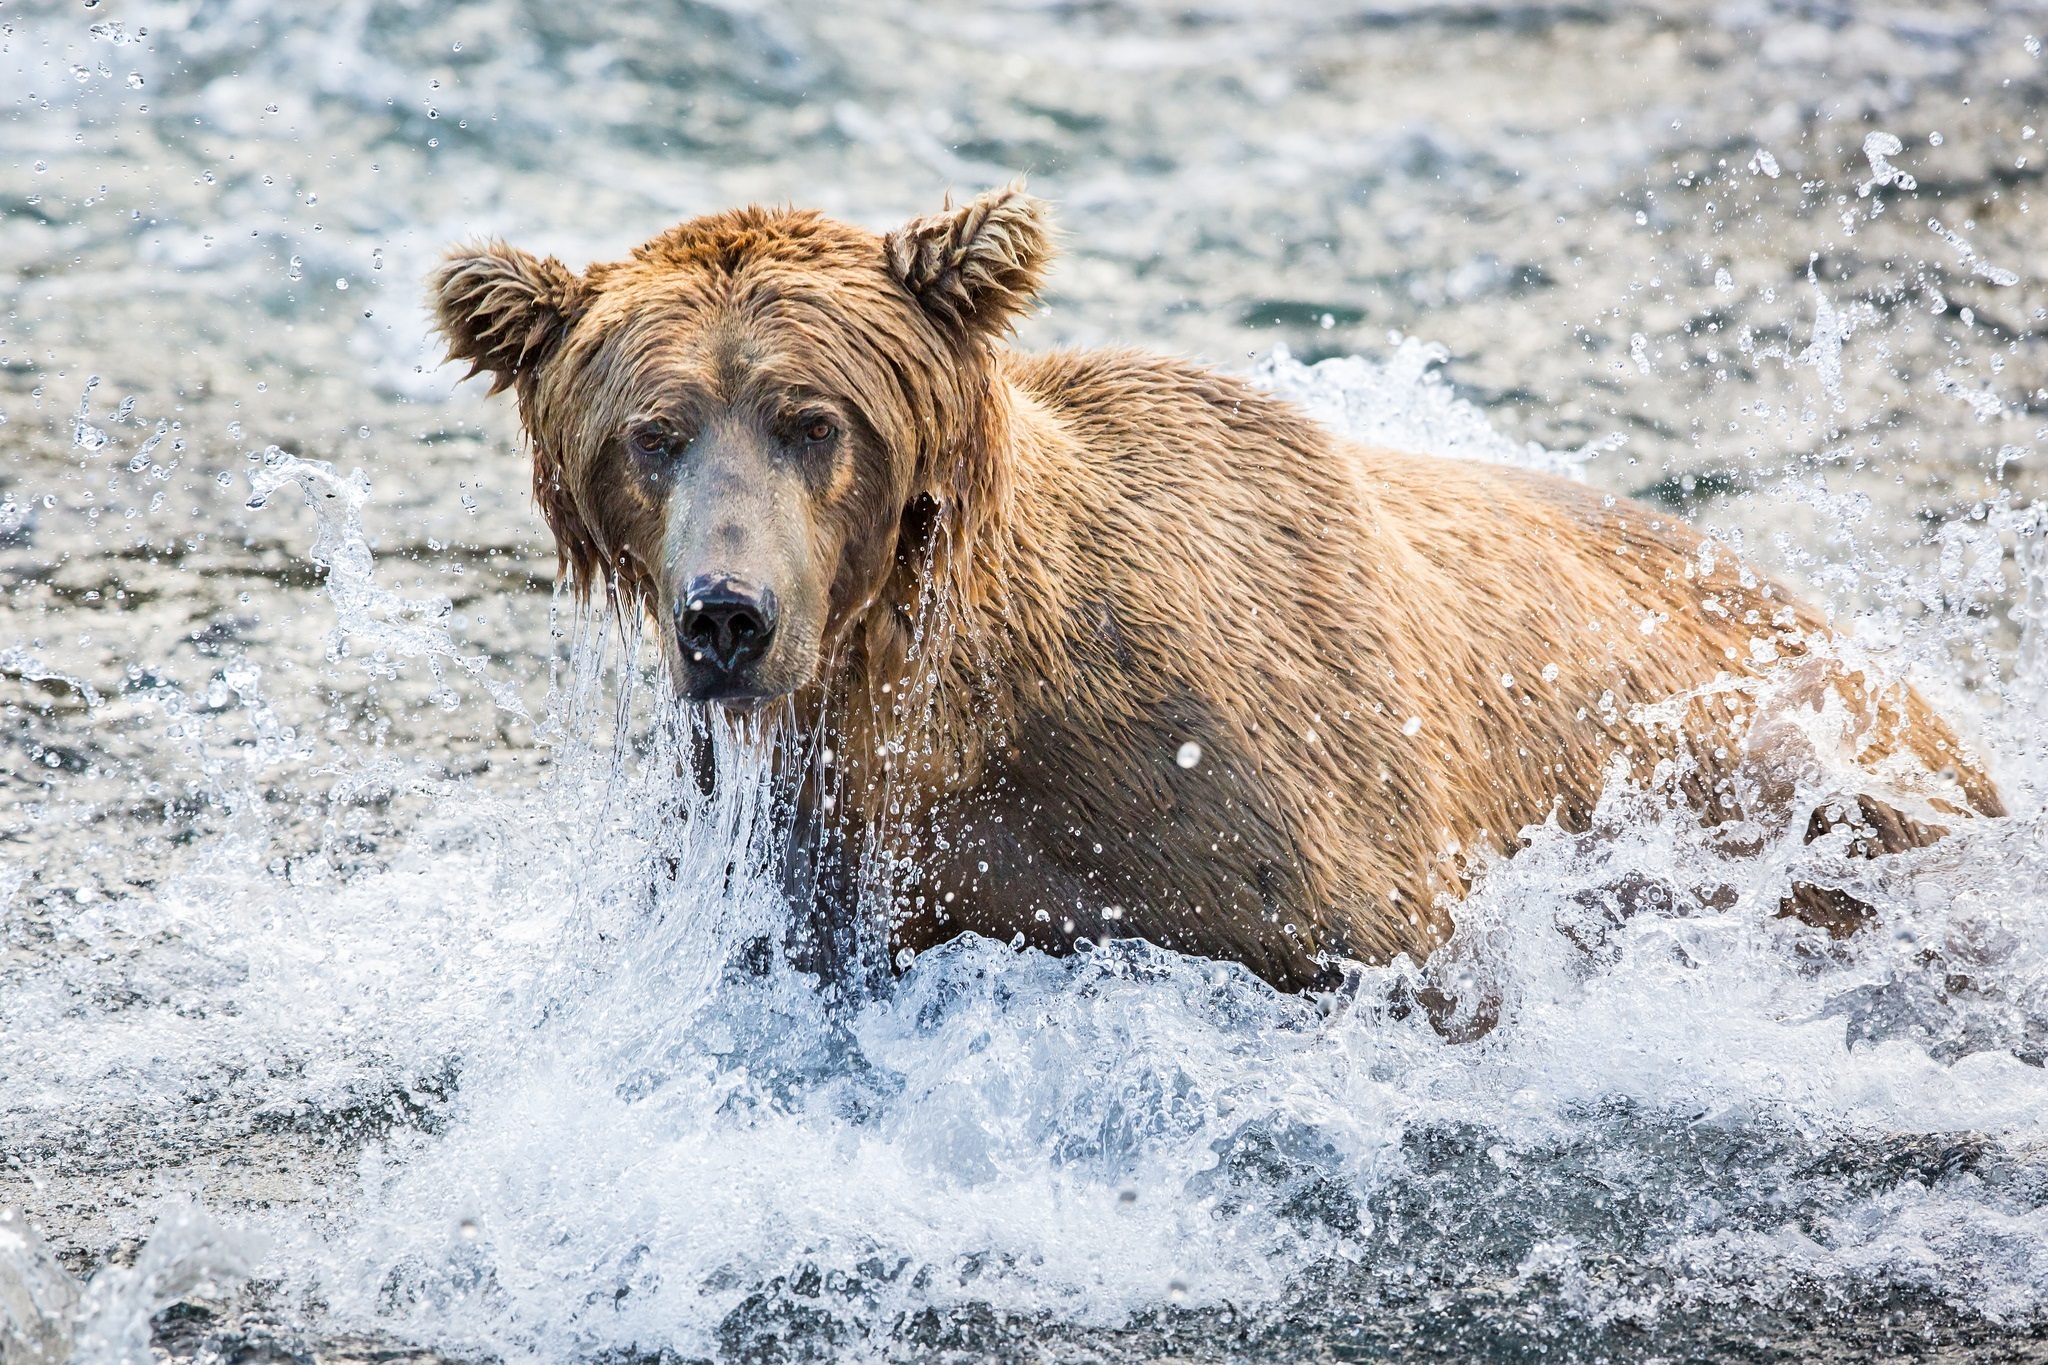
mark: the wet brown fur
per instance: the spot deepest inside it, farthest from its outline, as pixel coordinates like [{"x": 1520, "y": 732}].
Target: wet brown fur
[{"x": 1049, "y": 572}]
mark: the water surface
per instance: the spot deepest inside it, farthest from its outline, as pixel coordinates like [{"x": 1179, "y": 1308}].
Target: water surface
[{"x": 371, "y": 982}]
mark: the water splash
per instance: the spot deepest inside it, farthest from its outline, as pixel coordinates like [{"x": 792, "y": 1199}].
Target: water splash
[
  {"x": 592, "y": 1112},
  {"x": 188, "y": 1256},
  {"x": 38, "y": 1297},
  {"x": 390, "y": 626},
  {"x": 1403, "y": 403},
  {"x": 48, "y": 1318}
]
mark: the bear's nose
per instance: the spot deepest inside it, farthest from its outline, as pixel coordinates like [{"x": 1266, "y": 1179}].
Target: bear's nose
[{"x": 726, "y": 622}]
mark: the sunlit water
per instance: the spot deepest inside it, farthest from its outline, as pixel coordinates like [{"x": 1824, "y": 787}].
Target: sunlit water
[{"x": 365, "y": 1051}]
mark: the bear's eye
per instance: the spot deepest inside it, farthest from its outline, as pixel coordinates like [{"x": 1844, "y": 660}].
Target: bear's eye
[
  {"x": 648, "y": 442},
  {"x": 818, "y": 430}
]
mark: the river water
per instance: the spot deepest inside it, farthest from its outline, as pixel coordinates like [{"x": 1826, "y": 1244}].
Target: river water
[{"x": 371, "y": 986}]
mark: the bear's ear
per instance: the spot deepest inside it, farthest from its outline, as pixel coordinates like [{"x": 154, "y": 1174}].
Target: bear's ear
[
  {"x": 503, "y": 309},
  {"x": 976, "y": 268}
]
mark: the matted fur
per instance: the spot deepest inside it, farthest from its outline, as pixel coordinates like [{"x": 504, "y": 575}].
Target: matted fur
[{"x": 1055, "y": 571}]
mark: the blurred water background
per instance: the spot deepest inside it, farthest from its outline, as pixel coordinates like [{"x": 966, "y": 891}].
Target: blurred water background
[{"x": 338, "y": 1011}]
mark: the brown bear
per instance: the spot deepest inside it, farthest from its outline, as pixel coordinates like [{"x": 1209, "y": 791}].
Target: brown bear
[{"x": 1102, "y": 644}]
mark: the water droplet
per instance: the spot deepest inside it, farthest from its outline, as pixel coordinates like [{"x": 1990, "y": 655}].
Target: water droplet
[
  {"x": 904, "y": 957},
  {"x": 296, "y": 269},
  {"x": 1176, "y": 1291},
  {"x": 41, "y": 166},
  {"x": 135, "y": 80},
  {"x": 1412, "y": 726},
  {"x": 468, "y": 1229},
  {"x": 1189, "y": 755},
  {"x": 341, "y": 284},
  {"x": 234, "y": 431}
]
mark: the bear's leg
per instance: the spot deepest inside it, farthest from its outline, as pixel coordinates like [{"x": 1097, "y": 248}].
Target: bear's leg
[
  {"x": 821, "y": 883},
  {"x": 1877, "y": 828}
]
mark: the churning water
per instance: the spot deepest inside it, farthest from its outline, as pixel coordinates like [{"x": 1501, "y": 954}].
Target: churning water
[{"x": 375, "y": 976}]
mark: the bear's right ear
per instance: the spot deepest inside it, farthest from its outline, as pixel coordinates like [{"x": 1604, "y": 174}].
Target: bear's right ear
[
  {"x": 976, "y": 268},
  {"x": 503, "y": 309}
]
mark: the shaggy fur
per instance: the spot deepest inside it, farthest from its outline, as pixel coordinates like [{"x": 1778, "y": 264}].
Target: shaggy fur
[{"x": 1042, "y": 575}]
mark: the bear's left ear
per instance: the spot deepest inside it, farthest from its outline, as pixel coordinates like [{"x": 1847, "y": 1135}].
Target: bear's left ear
[
  {"x": 503, "y": 309},
  {"x": 976, "y": 268}
]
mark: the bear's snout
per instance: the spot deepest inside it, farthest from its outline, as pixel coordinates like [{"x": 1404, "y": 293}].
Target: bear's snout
[{"x": 726, "y": 624}]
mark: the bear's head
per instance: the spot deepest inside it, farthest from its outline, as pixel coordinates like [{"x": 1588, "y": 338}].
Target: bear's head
[{"x": 738, "y": 429}]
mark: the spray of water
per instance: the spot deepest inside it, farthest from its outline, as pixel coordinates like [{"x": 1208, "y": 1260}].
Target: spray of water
[{"x": 586, "y": 1113}]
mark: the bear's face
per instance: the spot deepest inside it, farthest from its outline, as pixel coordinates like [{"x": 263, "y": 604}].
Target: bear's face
[{"x": 732, "y": 428}]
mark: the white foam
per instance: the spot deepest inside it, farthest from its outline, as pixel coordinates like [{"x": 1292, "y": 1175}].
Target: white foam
[{"x": 1403, "y": 402}]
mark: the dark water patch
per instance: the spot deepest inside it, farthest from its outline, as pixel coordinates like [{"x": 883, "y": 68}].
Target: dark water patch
[{"x": 1681, "y": 492}]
